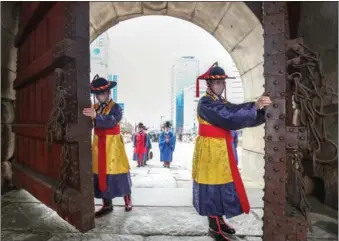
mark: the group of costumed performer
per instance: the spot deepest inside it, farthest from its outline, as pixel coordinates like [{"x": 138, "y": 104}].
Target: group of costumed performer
[
  {"x": 218, "y": 190},
  {"x": 167, "y": 142},
  {"x": 111, "y": 176},
  {"x": 142, "y": 145}
]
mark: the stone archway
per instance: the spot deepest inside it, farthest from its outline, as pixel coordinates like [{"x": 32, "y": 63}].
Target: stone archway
[{"x": 233, "y": 24}]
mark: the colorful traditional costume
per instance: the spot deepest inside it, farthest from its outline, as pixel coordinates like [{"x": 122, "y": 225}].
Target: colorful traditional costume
[
  {"x": 218, "y": 189},
  {"x": 110, "y": 163},
  {"x": 167, "y": 145},
  {"x": 140, "y": 145}
]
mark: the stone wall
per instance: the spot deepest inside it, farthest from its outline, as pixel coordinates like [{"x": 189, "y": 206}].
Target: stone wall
[
  {"x": 318, "y": 27},
  {"x": 9, "y": 28}
]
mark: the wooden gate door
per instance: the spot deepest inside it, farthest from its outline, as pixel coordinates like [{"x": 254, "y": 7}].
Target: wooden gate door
[{"x": 53, "y": 138}]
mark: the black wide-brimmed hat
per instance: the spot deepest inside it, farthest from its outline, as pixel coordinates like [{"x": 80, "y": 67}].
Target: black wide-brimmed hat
[
  {"x": 100, "y": 85},
  {"x": 167, "y": 124},
  {"x": 141, "y": 125},
  {"x": 213, "y": 73}
]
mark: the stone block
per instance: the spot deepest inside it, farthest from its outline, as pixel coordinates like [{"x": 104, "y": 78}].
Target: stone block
[
  {"x": 251, "y": 134},
  {"x": 10, "y": 16},
  {"x": 253, "y": 82},
  {"x": 154, "y": 8},
  {"x": 182, "y": 10},
  {"x": 236, "y": 24},
  {"x": 248, "y": 53},
  {"x": 8, "y": 51},
  {"x": 7, "y": 112},
  {"x": 92, "y": 33},
  {"x": 208, "y": 15},
  {"x": 7, "y": 80},
  {"x": 7, "y": 142},
  {"x": 102, "y": 16},
  {"x": 253, "y": 166},
  {"x": 6, "y": 174},
  {"x": 127, "y": 10}
]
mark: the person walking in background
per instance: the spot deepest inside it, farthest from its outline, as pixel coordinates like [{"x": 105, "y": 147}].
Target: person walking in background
[
  {"x": 217, "y": 186},
  {"x": 235, "y": 145},
  {"x": 111, "y": 176},
  {"x": 140, "y": 145},
  {"x": 149, "y": 154},
  {"x": 167, "y": 145}
]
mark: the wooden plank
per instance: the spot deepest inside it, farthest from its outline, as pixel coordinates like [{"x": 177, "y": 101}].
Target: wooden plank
[
  {"x": 36, "y": 131},
  {"x": 56, "y": 57},
  {"x": 32, "y": 19}
]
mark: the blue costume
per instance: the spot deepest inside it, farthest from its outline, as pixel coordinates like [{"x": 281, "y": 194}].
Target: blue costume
[
  {"x": 217, "y": 186},
  {"x": 149, "y": 147},
  {"x": 167, "y": 142},
  {"x": 111, "y": 176},
  {"x": 235, "y": 144}
]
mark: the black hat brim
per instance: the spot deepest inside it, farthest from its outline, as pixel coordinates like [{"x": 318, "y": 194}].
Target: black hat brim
[{"x": 111, "y": 85}]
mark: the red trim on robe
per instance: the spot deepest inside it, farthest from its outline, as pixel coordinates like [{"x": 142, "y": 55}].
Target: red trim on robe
[
  {"x": 216, "y": 132},
  {"x": 102, "y": 162}
]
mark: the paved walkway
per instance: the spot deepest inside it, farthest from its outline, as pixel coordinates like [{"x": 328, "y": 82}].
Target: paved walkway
[{"x": 163, "y": 211}]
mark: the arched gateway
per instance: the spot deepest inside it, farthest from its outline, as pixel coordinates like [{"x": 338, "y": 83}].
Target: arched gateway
[{"x": 52, "y": 88}]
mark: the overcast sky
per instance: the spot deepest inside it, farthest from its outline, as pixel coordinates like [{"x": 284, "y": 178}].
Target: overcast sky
[{"x": 142, "y": 52}]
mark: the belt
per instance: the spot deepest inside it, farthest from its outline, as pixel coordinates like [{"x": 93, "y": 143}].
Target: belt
[
  {"x": 102, "y": 162},
  {"x": 216, "y": 132}
]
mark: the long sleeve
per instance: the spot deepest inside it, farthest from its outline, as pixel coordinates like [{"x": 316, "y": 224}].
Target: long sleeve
[
  {"x": 260, "y": 118},
  {"x": 110, "y": 120},
  {"x": 172, "y": 142},
  {"x": 161, "y": 141},
  {"x": 228, "y": 116}
]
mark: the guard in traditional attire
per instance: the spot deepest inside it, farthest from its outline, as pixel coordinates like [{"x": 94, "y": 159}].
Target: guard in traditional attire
[
  {"x": 218, "y": 189},
  {"x": 110, "y": 163},
  {"x": 140, "y": 145},
  {"x": 167, "y": 145},
  {"x": 149, "y": 154}
]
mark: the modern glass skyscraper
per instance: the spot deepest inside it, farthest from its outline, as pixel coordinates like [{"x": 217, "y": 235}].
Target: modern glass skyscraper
[
  {"x": 99, "y": 56},
  {"x": 184, "y": 73}
]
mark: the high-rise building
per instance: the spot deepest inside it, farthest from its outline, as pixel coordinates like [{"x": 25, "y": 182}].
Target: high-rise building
[
  {"x": 184, "y": 73},
  {"x": 179, "y": 120},
  {"x": 99, "y": 56}
]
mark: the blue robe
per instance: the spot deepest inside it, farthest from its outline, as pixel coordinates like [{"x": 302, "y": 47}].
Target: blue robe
[
  {"x": 148, "y": 145},
  {"x": 118, "y": 185},
  {"x": 166, "y": 149},
  {"x": 223, "y": 199},
  {"x": 235, "y": 145}
]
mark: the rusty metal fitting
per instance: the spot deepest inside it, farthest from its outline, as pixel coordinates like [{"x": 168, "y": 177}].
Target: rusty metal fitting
[{"x": 294, "y": 61}]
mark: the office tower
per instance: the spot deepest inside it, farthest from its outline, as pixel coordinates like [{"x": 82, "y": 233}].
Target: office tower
[
  {"x": 184, "y": 73},
  {"x": 99, "y": 56}
]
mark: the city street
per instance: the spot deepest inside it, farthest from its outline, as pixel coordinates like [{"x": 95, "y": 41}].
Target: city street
[{"x": 162, "y": 211}]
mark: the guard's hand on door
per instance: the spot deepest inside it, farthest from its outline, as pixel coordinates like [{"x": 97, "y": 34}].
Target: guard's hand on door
[
  {"x": 262, "y": 102},
  {"x": 90, "y": 112}
]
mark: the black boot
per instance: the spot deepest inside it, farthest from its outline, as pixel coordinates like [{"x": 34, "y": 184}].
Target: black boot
[
  {"x": 107, "y": 207},
  {"x": 128, "y": 203},
  {"x": 226, "y": 228},
  {"x": 215, "y": 230}
]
